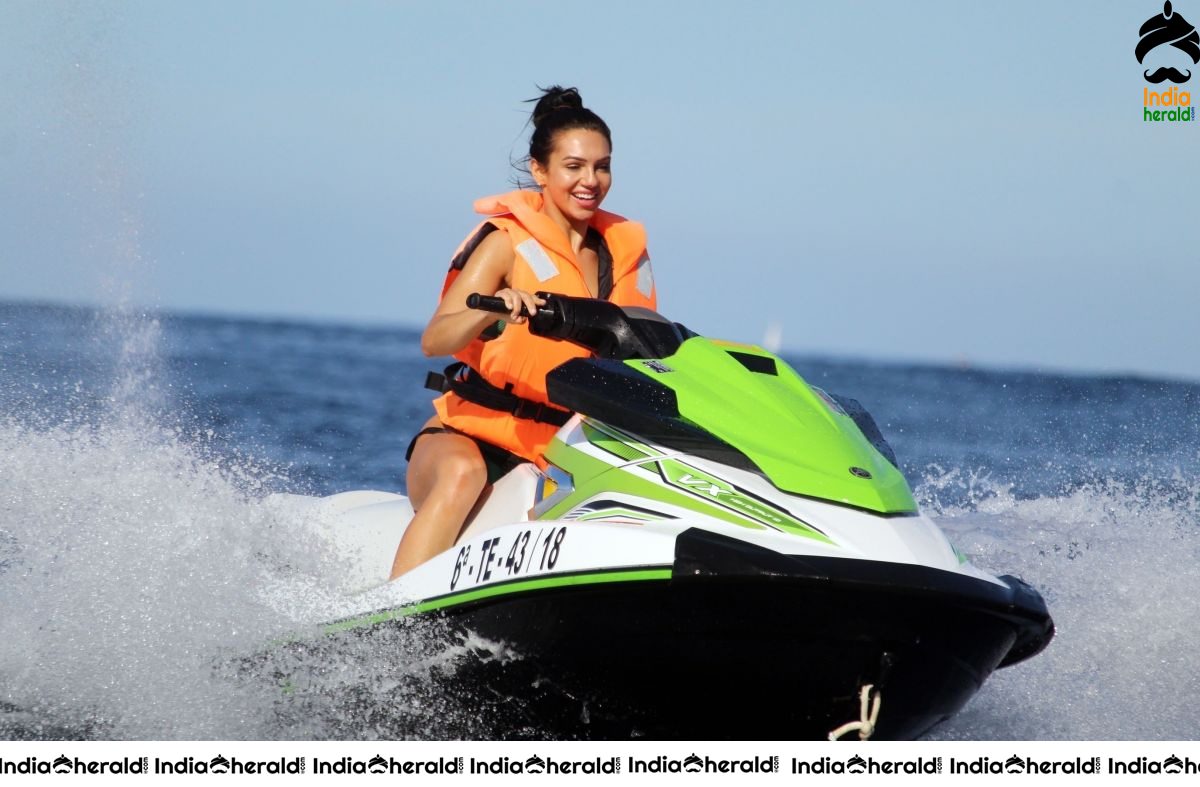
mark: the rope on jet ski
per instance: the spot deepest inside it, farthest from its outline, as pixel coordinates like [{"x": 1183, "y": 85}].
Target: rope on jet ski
[{"x": 870, "y": 701}]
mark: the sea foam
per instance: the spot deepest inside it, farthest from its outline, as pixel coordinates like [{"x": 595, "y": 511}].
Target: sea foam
[{"x": 1117, "y": 565}]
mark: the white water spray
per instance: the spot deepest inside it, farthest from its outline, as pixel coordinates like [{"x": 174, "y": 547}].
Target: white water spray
[
  {"x": 133, "y": 555},
  {"x": 1117, "y": 565}
]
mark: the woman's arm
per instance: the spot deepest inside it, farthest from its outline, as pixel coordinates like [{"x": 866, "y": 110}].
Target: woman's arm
[{"x": 453, "y": 325}]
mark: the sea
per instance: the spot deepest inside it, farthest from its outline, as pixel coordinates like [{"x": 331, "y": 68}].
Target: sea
[{"x": 141, "y": 543}]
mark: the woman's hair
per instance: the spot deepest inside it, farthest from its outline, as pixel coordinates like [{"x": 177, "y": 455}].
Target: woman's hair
[{"x": 559, "y": 109}]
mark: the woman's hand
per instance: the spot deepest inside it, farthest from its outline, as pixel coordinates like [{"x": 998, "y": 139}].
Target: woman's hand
[
  {"x": 515, "y": 299},
  {"x": 453, "y": 326}
]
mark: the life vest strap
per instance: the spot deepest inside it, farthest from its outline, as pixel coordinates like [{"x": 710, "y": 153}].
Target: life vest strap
[{"x": 470, "y": 385}]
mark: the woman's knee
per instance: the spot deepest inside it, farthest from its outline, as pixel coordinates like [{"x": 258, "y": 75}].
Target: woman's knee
[
  {"x": 441, "y": 461},
  {"x": 462, "y": 473}
]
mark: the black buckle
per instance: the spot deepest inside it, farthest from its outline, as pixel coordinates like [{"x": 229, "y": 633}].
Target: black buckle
[
  {"x": 542, "y": 413},
  {"x": 436, "y": 382},
  {"x": 527, "y": 409}
]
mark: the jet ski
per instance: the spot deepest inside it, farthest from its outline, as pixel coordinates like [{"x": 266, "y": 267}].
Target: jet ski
[{"x": 716, "y": 549}]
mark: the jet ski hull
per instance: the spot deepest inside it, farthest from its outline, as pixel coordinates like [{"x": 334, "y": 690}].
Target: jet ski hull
[{"x": 775, "y": 651}]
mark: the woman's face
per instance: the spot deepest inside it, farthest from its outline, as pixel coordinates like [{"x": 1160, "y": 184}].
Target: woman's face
[{"x": 577, "y": 177}]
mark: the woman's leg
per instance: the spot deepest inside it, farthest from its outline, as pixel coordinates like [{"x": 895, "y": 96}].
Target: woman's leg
[{"x": 446, "y": 474}]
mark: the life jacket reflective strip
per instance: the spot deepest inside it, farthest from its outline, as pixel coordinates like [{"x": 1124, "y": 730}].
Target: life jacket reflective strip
[{"x": 517, "y": 361}]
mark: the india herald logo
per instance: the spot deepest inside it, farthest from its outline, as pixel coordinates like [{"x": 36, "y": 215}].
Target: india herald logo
[
  {"x": 1167, "y": 41},
  {"x": 1167, "y": 29}
]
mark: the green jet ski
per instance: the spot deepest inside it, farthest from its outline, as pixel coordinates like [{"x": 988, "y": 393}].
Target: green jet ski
[{"x": 717, "y": 549}]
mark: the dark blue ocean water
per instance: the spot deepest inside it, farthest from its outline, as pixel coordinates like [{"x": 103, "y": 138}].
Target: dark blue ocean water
[{"x": 137, "y": 450}]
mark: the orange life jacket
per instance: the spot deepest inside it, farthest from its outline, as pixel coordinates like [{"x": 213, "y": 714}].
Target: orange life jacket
[{"x": 543, "y": 260}]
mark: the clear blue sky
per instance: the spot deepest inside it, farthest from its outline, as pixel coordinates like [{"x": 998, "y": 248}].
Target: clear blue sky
[{"x": 944, "y": 181}]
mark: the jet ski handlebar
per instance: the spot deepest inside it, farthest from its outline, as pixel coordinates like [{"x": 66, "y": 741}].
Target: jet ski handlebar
[
  {"x": 597, "y": 325},
  {"x": 490, "y": 303}
]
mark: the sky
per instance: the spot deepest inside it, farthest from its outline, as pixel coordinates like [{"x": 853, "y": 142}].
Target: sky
[{"x": 949, "y": 182}]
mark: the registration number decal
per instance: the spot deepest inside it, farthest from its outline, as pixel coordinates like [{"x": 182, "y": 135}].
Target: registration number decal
[{"x": 527, "y": 551}]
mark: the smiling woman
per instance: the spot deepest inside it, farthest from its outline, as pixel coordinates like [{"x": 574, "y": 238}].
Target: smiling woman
[{"x": 496, "y": 414}]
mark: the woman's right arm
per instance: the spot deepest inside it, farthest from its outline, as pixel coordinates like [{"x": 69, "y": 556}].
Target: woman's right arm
[{"x": 453, "y": 326}]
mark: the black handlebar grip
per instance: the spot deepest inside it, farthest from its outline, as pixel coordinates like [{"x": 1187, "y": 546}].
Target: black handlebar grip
[{"x": 487, "y": 303}]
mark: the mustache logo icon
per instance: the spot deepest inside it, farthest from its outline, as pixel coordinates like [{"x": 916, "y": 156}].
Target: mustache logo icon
[
  {"x": 1165, "y": 73},
  {"x": 1168, "y": 29}
]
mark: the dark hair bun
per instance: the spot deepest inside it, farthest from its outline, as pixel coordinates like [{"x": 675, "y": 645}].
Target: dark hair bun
[
  {"x": 560, "y": 109},
  {"x": 555, "y": 99}
]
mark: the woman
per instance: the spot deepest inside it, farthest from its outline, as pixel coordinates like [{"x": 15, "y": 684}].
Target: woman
[{"x": 555, "y": 239}]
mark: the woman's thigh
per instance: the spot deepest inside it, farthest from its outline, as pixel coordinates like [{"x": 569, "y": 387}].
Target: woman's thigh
[{"x": 446, "y": 459}]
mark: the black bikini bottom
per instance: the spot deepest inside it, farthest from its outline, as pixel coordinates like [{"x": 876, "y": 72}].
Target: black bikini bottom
[{"x": 497, "y": 460}]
